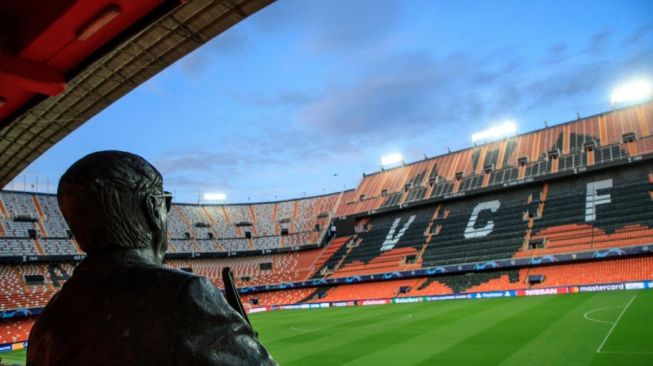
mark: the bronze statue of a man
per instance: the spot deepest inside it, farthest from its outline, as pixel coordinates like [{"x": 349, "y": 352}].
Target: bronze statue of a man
[{"x": 121, "y": 306}]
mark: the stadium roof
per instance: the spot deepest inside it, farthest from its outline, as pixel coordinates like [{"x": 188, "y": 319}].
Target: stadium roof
[{"x": 64, "y": 61}]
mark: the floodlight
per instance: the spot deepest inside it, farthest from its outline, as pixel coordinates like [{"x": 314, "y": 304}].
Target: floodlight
[
  {"x": 634, "y": 91},
  {"x": 391, "y": 159},
  {"x": 505, "y": 129},
  {"x": 215, "y": 197}
]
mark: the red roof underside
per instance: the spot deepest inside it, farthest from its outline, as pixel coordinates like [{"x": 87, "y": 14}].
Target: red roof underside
[{"x": 39, "y": 45}]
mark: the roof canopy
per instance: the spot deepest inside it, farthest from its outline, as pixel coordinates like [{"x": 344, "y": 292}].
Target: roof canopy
[{"x": 63, "y": 61}]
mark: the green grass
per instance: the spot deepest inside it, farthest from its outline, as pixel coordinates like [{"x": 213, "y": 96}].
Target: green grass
[
  {"x": 14, "y": 357},
  {"x": 544, "y": 330}
]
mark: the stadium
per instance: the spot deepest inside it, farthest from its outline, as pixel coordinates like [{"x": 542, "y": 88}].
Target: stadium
[{"x": 530, "y": 248}]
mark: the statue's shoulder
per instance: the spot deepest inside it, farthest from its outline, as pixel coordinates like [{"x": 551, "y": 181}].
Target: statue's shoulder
[{"x": 174, "y": 274}]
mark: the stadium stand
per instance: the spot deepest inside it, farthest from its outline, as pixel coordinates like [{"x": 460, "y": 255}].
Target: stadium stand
[
  {"x": 31, "y": 285},
  {"x": 51, "y": 219},
  {"x": 372, "y": 290},
  {"x": 287, "y": 268},
  {"x": 264, "y": 218},
  {"x": 583, "y": 190},
  {"x": 59, "y": 247},
  {"x": 18, "y": 294},
  {"x": 273, "y": 298},
  {"x": 586, "y": 273},
  {"x": 616, "y": 270},
  {"x": 221, "y": 222},
  {"x": 254, "y": 270},
  {"x": 19, "y": 219},
  {"x": 17, "y": 247},
  {"x": 31, "y": 224},
  {"x": 609, "y": 211},
  {"x": 334, "y": 254},
  {"x": 603, "y": 210},
  {"x": 601, "y": 139},
  {"x": 15, "y": 330}
]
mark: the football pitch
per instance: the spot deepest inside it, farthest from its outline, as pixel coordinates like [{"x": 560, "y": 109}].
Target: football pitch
[
  {"x": 609, "y": 328},
  {"x": 13, "y": 358}
]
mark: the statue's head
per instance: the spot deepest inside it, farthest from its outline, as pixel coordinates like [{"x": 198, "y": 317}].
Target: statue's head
[{"x": 114, "y": 200}]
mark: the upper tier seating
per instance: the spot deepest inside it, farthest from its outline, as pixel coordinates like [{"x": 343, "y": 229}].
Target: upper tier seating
[
  {"x": 52, "y": 220},
  {"x": 18, "y": 215},
  {"x": 270, "y": 225},
  {"x": 483, "y": 229},
  {"x": 283, "y": 218},
  {"x": 178, "y": 225},
  {"x": 600, "y": 139},
  {"x": 265, "y": 217},
  {"x": 17, "y": 247},
  {"x": 603, "y": 210},
  {"x": 235, "y": 244},
  {"x": 620, "y": 216},
  {"x": 198, "y": 221},
  {"x": 436, "y": 235},
  {"x": 58, "y": 247},
  {"x": 32, "y": 224},
  {"x": 223, "y": 225}
]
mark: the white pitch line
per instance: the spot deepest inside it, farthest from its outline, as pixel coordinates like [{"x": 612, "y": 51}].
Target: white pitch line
[
  {"x": 629, "y": 352},
  {"x": 586, "y": 315},
  {"x": 598, "y": 350}
]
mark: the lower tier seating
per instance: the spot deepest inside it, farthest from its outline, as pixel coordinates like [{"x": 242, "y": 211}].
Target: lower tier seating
[
  {"x": 248, "y": 271},
  {"x": 12, "y": 331},
  {"x": 617, "y": 270},
  {"x": 271, "y": 298},
  {"x": 254, "y": 271},
  {"x": 371, "y": 290},
  {"x": 16, "y": 294},
  {"x": 587, "y": 273}
]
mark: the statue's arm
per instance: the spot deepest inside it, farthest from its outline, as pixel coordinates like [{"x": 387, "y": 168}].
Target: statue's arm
[{"x": 209, "y": 332}]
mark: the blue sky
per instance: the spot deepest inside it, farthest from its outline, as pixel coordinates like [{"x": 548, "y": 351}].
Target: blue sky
[{"x": 305, "y": 96}]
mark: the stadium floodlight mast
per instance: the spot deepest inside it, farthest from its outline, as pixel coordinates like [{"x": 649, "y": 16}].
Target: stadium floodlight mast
[
  {"x": 390, "y": 160},
  {"x": 219, "y": 197},
  {"x": 505, "y": 129},
  {"x": 632, "y": 92}
]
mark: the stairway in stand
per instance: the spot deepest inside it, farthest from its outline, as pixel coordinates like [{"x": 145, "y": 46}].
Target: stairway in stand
[{"x": 331, "y": 248}]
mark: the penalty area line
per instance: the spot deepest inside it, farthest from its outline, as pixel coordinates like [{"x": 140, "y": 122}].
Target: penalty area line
[
  {"x": 588, "y": 317},
  {"x": 598, "y": 350}
]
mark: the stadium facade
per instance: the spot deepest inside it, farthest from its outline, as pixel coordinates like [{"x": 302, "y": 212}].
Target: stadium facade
[{"x": 559, "y": 210}]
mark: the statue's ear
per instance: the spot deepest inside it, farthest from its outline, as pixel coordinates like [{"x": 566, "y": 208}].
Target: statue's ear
[{"x": 152, "y": 213}]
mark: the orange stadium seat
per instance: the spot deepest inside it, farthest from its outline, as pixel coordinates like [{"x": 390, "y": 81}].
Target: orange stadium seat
[{"x": 15, "y": 330}]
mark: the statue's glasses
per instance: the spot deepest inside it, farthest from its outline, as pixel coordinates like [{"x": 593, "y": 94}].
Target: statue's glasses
[{"x": 168, "y": 199}]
